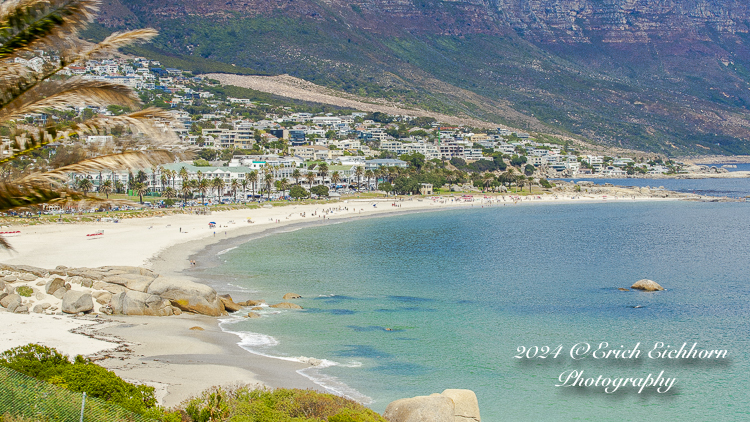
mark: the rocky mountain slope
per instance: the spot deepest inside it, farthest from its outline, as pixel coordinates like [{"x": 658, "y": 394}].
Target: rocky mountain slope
[{"x": 664, "y": 75}]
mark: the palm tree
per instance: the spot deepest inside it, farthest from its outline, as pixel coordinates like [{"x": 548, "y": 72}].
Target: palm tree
[
  {"x": 392, "y": 173},
  {"x": 487, "y": 179},
  {"x": 369, "y": 174},
  {"x": 119, "y": 186},
  {"x": 218, "y": 184},
  {"x": 358, "y": 172},
  {"x": 234, "y": 185},
  {"x": 252, "y": 177},
  {"x": 310, "y": 176},
  {"x": 244, "y": 183},
  {"x": 296, "y": 174},
  {"x": 186, "y": 189},
  {"x": 184, "y": 175},
  {"x": 163, "y": 179},
  {"x": 169, "y": 192},
  {"x": 378, "y": 173},
  {"x": 268, "y": 179},
  {"x": 283, "y": 185},
  {"x": 140, "y": 189},
  {"x": 85, "y": 185},
  {"x": 106, "y": 188},
  {"x": 335, "y": 178},
  {"x": 323, "y": 172},
  {"x": 203, "y": 186}
]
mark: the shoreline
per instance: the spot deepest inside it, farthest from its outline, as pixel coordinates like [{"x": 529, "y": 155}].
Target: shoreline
[{"x": 159, "y": 350}]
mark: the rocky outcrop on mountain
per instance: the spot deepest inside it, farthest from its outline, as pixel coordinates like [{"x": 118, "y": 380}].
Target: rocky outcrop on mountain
[{"x": 566, "y": 21}]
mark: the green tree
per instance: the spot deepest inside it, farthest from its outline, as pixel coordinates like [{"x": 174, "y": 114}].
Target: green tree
[
  {"x": 169, "y": 193},
  {"x": 359, "y": 171},
  {"x": 234, "y": 186},
  {"x": 140, "y": 189},
  {"x": 252, "y": 178},
  {"x": 386, "y": 187},
  {"x": 106, "y": 188},
  {"x": 369, "y": 174},
  {"x": 320, "y": 190},
  {"x": 335, "y": 179},
  {"x": 296, "y": 175},
  {"x": 218, "y": 184},
  {"x": 323, "y": 171},
  {"x": 203, "y": 186},
  {"x": 268, "y": 179},
  {"x": 298, "y": 192},
  {"x": 310, "y": 176},
  {"x": 85, "y": 185}
]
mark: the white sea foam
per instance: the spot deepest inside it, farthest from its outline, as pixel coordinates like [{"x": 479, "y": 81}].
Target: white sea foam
[
  {"x": 333, "y": 384},
  {"x": 225, "y": 251},
  {"x": 244, "y": 289},
  {"x": 255, "y": 342}
]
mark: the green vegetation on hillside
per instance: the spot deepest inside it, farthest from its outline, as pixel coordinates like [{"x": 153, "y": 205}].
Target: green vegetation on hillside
[{"x": 623, "y": 95}]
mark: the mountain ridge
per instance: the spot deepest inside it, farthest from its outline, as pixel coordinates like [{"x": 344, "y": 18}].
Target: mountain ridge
[{"x": 665, "y": 76}]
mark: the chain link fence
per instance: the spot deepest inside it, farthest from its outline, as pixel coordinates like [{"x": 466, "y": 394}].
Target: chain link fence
[{"x": 23, "y": 396}]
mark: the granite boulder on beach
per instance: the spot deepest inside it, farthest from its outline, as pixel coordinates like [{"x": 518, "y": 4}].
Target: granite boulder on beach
[{"x": 451, "y": 405}]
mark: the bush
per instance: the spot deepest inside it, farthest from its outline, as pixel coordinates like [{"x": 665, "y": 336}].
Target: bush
[
  {"x": 282, "y": 404},
  {"x": 47, "y": 364},
  {"x": 545, "y": 183},
  {"x": 25, "y": 291},
  {"x": 320, "y": 190},
  {"x": 298, "y": 191}
]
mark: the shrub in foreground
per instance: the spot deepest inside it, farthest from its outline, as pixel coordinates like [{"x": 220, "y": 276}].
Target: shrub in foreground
[
  {"x": 280, "y": 405},
  {"x": 47, "y": 364}
]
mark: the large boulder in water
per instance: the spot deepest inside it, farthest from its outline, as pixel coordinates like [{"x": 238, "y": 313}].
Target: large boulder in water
[
  {"x": 291, "y": 296},
  {"x": 188, "y": 296},
  {"x": 435, "y": 408},
  {"x": 75, "y": 301},
  {"x": 647, "y": 285},
  {"x": 467, "y": 406},
  {"x": 138, "y": 303},
  {"x": 286, "y": 305},
  {"x": 229, "y": 304}
]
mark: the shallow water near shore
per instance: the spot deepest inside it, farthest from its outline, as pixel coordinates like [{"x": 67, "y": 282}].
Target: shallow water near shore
[{"x": 414, "y": 304}]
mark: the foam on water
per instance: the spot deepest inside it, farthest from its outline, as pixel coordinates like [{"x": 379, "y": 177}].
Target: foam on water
[
  {"x": 226, "y": 250},
  {"x": 261, "y": 344}
]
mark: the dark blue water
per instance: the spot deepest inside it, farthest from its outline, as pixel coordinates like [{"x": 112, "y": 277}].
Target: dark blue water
[{"x": 462, "y": 290}]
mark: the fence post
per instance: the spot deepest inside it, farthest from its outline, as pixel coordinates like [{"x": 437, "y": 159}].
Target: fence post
[{"x": 83, "y": 405}]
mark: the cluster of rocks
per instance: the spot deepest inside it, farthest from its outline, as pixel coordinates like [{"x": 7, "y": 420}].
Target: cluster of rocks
[
  {"x": 117, "y": 290},
  {"x": 448, "y": 406}
]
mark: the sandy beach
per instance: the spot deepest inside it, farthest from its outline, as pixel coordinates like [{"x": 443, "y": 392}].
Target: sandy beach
[{"x": 186, "y": 354}]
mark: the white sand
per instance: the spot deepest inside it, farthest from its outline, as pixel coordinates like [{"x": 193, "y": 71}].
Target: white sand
[{"x": 48, "y": 330}]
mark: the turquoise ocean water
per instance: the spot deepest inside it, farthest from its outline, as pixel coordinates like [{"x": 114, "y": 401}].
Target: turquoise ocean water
[{"x": 461, "y": 290}]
